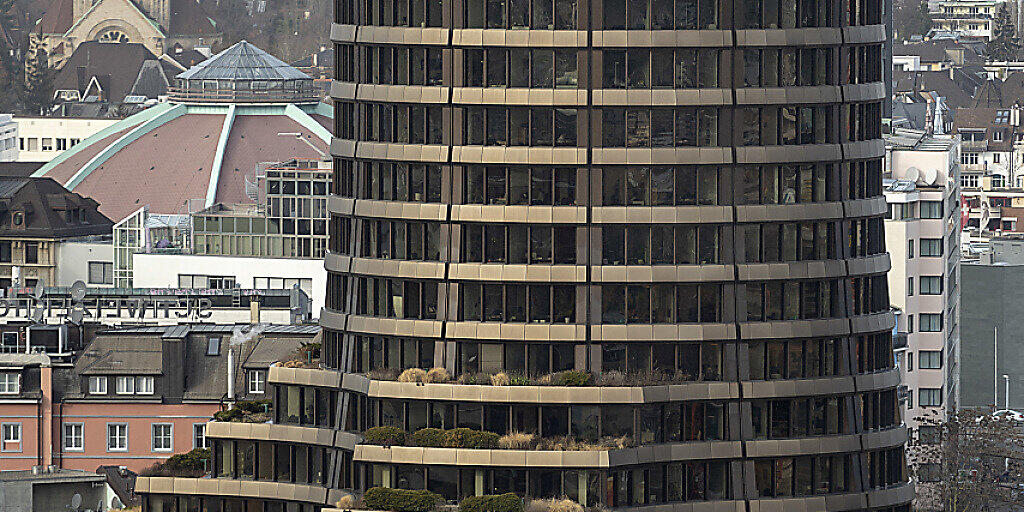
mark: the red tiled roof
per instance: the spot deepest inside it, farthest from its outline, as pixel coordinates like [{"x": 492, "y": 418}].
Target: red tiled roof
[
  {"x": 255, "y": 139},
  {"x": 66, "y": 169},
  {"x": 163, "y": 168}
]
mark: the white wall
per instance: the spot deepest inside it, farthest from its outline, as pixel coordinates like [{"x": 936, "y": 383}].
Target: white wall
[
  {"x": 73, "y": 259},
  {"x": 35, "y": 132},
  {"x": 162, "y": 270},
  {"x": 8, "y": 139}
]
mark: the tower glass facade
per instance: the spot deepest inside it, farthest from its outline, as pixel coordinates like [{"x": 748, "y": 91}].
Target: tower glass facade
[{"x": 647, "y": 233}]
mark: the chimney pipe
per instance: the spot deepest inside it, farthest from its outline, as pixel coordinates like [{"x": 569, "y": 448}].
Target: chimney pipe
[
  {"x": 254, "y": 310},
  {"x": 231, "y": 373}
]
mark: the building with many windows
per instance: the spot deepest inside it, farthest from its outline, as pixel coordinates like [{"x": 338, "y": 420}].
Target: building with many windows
[
  {"x": 135, "y": 395},
  {"x": 923, "y": 239},
  {"x": 643, "y": 238}
]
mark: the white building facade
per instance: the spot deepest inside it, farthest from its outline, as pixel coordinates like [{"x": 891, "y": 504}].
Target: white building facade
[
  {"x": 41, "y": 139},
  {"x": 923, "y": 239},
  {"x": 8, "y": 138},
  {"x": 162, "y": 270}
]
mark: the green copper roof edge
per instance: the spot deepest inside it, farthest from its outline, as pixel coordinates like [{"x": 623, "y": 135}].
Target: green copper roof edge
[
  {"x": 300, "y": 116},
  {"x": 218, "y": 158},
  {"x": 170, "y": 114},
  {"x": 133, "y": 120}
]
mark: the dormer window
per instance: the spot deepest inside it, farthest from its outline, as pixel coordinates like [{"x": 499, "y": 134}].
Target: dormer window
[
  {"x": 10, "y": 383},
  {"x": 18, "y": 219}
]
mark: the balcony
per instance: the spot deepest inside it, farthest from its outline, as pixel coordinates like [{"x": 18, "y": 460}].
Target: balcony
[{"x": 974, "y": 145}]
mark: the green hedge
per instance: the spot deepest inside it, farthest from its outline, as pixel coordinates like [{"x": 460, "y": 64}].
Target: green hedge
[
  {"x": 400, "y": 500},
  {"x": 384, "y": 436},
  {"x": 454, "y": 438},
  {"x": 572, "y": 378},
  {"x": 195, "y": 460},
  {"x": 469, "y": 438},
  {"x": 507, "y": 502},
  {"x": 429, "y": 437}
]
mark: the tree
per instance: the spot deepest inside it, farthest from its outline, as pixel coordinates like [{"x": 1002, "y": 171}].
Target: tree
[
  {"x": 969, "y": 462},
  {"x": 1004, "y": 44},
  {"x": 910, "y": 18},
  {"x": 38, "y": 95}
]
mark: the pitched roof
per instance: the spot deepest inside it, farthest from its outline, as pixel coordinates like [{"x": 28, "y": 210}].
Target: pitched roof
[
  {"x": 189, "y": 18},
  {"x": 58, "y": 18},
  {"x": 121, "y": 355},
  {"x": 243, "y": 61},
  {"x": 151, "y": 82},
  {"x": 48, "y": 210},
  {"x": 116, "y": 66}
]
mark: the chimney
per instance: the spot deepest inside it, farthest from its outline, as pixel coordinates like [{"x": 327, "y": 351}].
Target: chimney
[
  {"x": 231, "y": 373},
  {"x": 254, "y": 310}
]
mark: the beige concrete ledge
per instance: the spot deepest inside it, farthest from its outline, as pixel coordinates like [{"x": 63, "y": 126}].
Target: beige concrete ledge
[
  {"x": 304, "y": 377},
  {"x": 878, "y": 380},
  {"x": 662, "y": 156},
  {"x": 661, "y": 38},
  {"x": 519, "y": 96},
  {"x": 541, "y": 394},
  {"x": 789, "y": 212},
  {"x": 269, "y": 431},
  {"x": 794, "y": 328},
  {"x": 840, "y": 384},
  {"x": 891, "y": 496},
  {"x": 374, "y": 325},
  {"x": 661, "y": 273},
  {"x": 518, "y": 213},
  {"x": 230, "y": 488},
  {"x": 400, "y": 210},
  {"x": 825, "y": 444},
  {"x": 515, "y": 332},
  {"x": 864, "y": 92},
  {"x": 789, "y": 95},
  {"x": 343, "y": 33},
  {"x": 875, "y": 264},
  {"x": 402, "y": 35},
  {"x": 344, "y": 148},
  {"x": 812, "y": 36},
  {"x": 873, "y": 322},
  {"x": 701, "y": 450},
  {"x": 661, "y": 97},
  {"x": 791, "y": 270},
  {"x": 790, "y": 153},
  {"x": 519, "y": 155},
  {"x": 426, "y": 94},
  {"x": 864, "y": 34},
  {"x": 537, "y": 273},
  {"x": 870, "y": 207},
  {"x": 864, "y": 149},
  {"x": 474, "y": 37},
  {"x": 661, "y": 214},
  {"x": 390, "y": 268},
  {"x": 664, "y": 332},
  {"x": 400, "y": 151}
]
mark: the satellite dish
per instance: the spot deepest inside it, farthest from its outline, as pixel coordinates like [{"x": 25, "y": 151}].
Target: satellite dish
[
  {"x": 930, "y": 175},
  {"x": 37, "y": 292},
  {"x": 77, "y": 315},
  {"x": 115, "y": 502},
  {"x": 78, "y": 291},
  {"x": 37, "y": 315},
  {"x": 912, "y": 174},
  {"x": 76, "y": 501}
]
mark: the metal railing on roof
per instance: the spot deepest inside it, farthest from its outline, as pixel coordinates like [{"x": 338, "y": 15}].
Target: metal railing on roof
[{"x": 242, "y": 96}]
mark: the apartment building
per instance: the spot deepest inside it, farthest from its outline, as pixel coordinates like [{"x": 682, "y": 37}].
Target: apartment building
[
  {"x": 923, "y": 239},
  {"x": 135, "y": 395},
  {"x": 649, "y": 223},
  {"x": 966, "y": 18}
]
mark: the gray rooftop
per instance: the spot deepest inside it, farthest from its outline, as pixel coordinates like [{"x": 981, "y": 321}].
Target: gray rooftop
[{"x": 243, "y": 61}]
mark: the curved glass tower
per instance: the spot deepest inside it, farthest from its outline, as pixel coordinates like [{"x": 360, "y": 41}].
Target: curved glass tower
[{"x": 647, "y": 232}]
